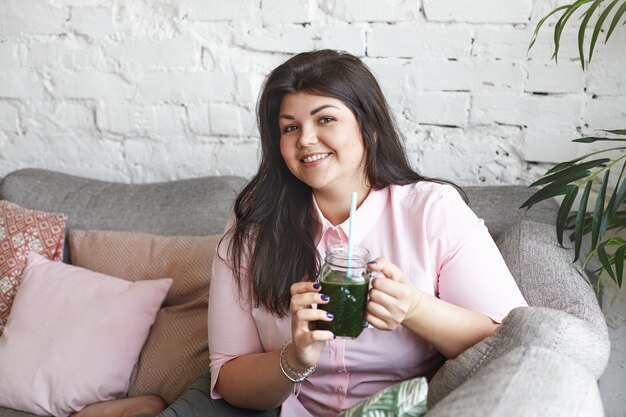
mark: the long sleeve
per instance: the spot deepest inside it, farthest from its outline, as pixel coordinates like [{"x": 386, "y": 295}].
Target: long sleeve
[{"x": 232, "y": 329}]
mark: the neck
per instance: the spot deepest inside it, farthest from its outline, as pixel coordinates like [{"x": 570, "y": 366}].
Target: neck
[{"x": 335, "y": 206}]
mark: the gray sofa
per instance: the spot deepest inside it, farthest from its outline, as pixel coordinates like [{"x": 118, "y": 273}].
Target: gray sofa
[{"x": 544, "y": 360}]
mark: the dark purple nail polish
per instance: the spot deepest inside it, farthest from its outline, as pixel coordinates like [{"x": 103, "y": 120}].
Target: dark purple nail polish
[
  {"x": 317, "y": 286},
  {"x": 371, "y": 263},
  {"x": 334, "y": 336},
  {"x": 330, "y": 315},
  {"x": 325, "y": 297}
]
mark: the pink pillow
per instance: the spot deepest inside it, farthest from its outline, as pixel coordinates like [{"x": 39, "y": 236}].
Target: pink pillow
[
  {"x": 23, "y": 231},
  {"x": 73, "y": 337}
]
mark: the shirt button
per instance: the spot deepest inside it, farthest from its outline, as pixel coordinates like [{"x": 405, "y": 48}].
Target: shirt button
[{"x": 339, "y": 390}]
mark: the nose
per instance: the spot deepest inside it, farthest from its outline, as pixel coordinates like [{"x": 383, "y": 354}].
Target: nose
[{"x": 308, "y": 137}]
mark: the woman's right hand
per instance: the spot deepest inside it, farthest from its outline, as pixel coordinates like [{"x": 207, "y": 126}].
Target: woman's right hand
[{"x": 307, "y": 344}]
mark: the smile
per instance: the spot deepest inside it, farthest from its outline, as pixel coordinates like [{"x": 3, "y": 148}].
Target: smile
[{"x": 315, "y": 157}]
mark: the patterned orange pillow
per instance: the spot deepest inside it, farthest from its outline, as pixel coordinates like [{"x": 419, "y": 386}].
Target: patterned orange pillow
[
  {"x": 23, "y": 231},
  {"x": 176, "y": 351}
]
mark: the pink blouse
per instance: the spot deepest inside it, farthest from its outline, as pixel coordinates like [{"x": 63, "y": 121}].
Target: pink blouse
[{"x": 434, "y": 238}]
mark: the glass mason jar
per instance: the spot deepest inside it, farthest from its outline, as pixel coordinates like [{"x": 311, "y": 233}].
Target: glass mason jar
[{"x": 346, "y": 282}]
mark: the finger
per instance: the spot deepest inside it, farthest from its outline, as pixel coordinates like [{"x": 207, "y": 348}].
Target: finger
[
  {"x": 383, "y": 296},
  {"x": 305, "y": 300},
  {"x": 387, "y": 268},
  {"x": 376, "y": 322},
  {"x": 308, "y": 315},
  {"x": 381, "y": 317},
  {"x": 303, "y": 287}
]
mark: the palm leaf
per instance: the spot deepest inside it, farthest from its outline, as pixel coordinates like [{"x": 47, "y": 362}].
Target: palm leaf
[
  {"x": 618, "y": 15},
  {"x": 572, "y": 173},
  {"x": 549, "y": 191},
  {"x": 619, "y": 264},
  {"x": 564, "y": 210},
  {"x": 604, "y": 259},
  {"x": 617, "y": 131},
  {"x": 580, "y": 220},
  {"x": 611, "y": 208},
  {"x": 583, "y": 28},
  {"x": 541, "y": 22},
  {"x": 599, "y": 209},
  {"x": 560, "y": 24},
  {"x": 598, "y": 27},
  {"x": 589, "y": 139}
]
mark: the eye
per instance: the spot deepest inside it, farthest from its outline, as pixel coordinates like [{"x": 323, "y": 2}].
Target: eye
[
  {"x": 325, "y": 119},
  {"x": 289, "y": 128}
]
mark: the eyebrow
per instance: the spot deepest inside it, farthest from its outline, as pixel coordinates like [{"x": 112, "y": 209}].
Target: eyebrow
[{"x": 316, "y": 110}]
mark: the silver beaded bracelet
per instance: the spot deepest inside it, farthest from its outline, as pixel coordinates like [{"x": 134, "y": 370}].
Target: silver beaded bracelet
[{"x": 294, "y": 376}]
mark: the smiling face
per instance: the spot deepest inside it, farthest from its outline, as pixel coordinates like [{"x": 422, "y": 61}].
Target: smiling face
[{"x": 321, "y": 143}]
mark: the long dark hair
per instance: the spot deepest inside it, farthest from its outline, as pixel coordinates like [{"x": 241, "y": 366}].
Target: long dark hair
[{"x": 273, "y": 239}]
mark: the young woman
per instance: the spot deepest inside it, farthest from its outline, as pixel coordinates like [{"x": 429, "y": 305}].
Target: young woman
[{"x": 326, "y": 131}]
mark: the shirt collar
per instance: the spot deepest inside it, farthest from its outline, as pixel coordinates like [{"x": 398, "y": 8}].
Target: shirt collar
[{"x": 365, "y": 217}]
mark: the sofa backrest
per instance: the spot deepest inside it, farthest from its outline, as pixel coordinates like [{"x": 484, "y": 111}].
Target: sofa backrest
[
  {"x": 193, "y": 207},
  {"x": 201, "y": 206}
]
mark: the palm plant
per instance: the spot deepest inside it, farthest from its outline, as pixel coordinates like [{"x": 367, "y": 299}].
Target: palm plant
[{"x": 568, "y": 178}]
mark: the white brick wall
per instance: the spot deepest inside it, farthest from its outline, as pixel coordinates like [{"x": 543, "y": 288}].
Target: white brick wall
[{"x": 140, "y": 91}]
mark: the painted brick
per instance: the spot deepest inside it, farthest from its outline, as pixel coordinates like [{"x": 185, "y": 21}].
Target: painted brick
[
  {"x": 8, "y": 117},
  {"x": 190, "y": 86},
  {"x": 395, "y": 77},
  {"x": 450, "y": 109},
  {"x": 74, "y": 115},
  {"x": 9, "y": 58},
  {"x": 144, "y": 157},
  {"x": 248, "y": 87},
  {"x": 231, "y": 120},
  {"x": 95, "y": 22},
  {"x": 294, "y": 11},
  {"x": 198, "y": 116},
  {"x": 284, "y": 38},
  {"x": 606, "y": 78},
  {"x": 233, "y": 158},
  {"x": 489, "y": 11},
  {"x": 535, "y": 112},
  {"x": 566, "y": 77},
  {"x": 150, "y": 53},
  {"x": 160, "y": 119},
  {"x": 550, "y": 146},
  {"x": 70, "y": 53},
  {"x": 90, "y": 84},
  {"x": 469, "y": 75},
  {"x": 374, "y": 10},
  {"x": 346, "y": 38},
  {"x": 81, "y": 3},
  {"x": 606, "y": 113},
  {"x": 32, "y": 17},
  {"x": 216, "y": 10},
  {"x": 22, "y": 85},
  {"x": 410, "y": 41}
]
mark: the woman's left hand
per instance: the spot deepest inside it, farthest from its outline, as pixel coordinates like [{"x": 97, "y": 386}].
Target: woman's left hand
[{"x": 393, "y": 298}]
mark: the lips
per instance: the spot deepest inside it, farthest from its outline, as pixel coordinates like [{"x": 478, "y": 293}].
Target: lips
[{"x": 316, "y": 157}]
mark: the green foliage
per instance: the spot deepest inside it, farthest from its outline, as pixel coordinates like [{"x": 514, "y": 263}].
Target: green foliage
[
  {"x": 593, "y": 7},
  {"x": 569, "y": 178}
]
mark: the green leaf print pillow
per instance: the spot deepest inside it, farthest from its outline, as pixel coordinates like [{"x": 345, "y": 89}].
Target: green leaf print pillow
[{"x": 406, "y": 399}]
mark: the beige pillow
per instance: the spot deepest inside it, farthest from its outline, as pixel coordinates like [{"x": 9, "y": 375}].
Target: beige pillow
[{"x": 176, "y": 351}]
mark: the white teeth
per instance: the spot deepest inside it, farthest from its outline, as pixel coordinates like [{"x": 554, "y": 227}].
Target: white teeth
[{"x": 315, "y": 157}]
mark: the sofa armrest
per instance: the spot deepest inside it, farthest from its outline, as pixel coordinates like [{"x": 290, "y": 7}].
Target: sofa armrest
[
  {"x": 568, "y": 336},
  {"x": 527, "y": 381}
]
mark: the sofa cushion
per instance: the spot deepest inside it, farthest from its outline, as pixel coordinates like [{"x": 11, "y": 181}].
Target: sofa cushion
[
  {"x": 176, "y": 351},
  {"x": 527, "y": 381},
  {"x": 23, "y": 231},
  {"x": 73, "y": 337}
]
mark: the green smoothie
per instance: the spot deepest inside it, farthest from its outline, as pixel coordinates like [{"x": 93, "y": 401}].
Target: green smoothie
[{"x": 348, "y": 299}]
